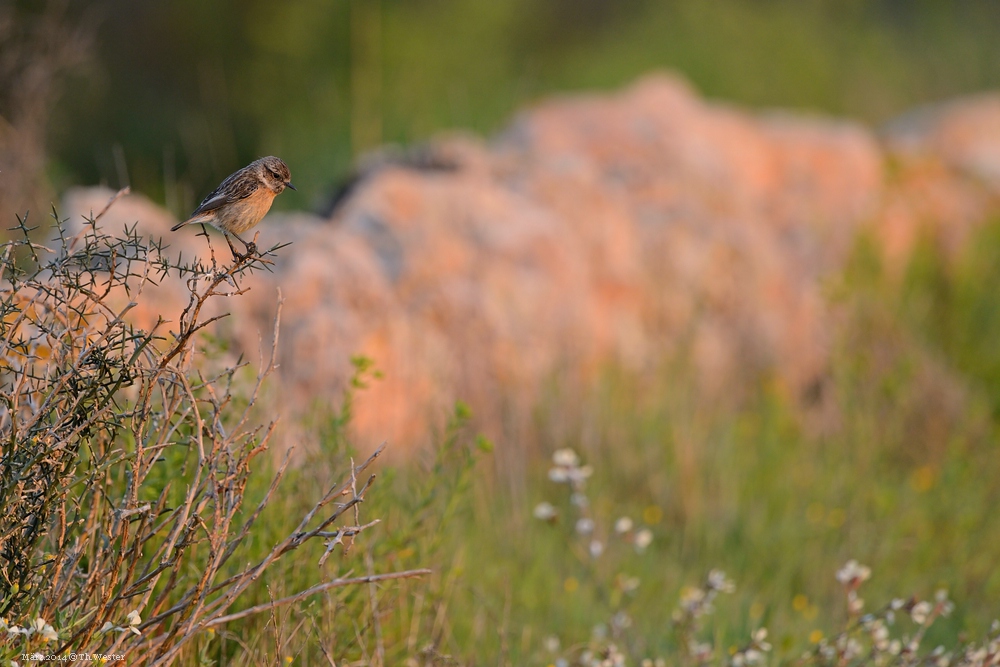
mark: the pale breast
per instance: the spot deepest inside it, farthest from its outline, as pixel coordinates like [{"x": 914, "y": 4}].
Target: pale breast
[{"x": 245, "y": 213}]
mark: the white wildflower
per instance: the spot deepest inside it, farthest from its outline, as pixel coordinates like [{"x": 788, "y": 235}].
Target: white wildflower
[
  {"x": 691, "y": 596},
  {"x": 623, "y": 525},
  {"x": 852, "y": 650},
  {"x": 700, "y": 651},
  {"x": 545, "y": 511},
  {"x": 696, "y": 602},
  {"x": 977, "y": 656},
  {"x": 559, "y": 475},
  {"x": 47, "y": 632},
  {"x": 585, "y": 526},
  {"x": 133, "y": 621},
  {"x": 621, "y": 620},
  {"x": 565, "y": 458},
  {"x": 853, "y": 573},
  {"x": 944, "y": 605},
  {"x": 643, "y": 539},
  {"x": 920, "y": 612},
  {"x": 759, "y": 639},
  {"x": 880, "y": 636},
  {"x": 596, "y": 548},
  {"x": 717, "y": 581}
]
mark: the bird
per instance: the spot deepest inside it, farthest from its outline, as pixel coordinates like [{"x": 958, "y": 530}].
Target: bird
[{"x": 241, "y": 200}]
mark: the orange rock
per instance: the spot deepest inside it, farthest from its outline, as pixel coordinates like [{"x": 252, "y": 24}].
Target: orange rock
[{"x": 623, "y": 228}]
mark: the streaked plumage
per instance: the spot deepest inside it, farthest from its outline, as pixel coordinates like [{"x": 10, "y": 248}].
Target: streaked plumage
[{"x": 241, "y": 200}]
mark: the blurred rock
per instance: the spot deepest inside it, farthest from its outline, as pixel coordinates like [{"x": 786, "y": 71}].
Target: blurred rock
[
  {"x": 629, "y": 228},
  {"x": 964, "y": 134},
  {"x": 944, "y": 176}
]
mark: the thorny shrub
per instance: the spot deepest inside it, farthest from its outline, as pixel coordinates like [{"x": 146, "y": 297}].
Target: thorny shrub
[{"x": 123, "y": 461}]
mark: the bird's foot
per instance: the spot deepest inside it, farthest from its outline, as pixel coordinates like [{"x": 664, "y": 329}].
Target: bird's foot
[{"x": 250, "y": 250}]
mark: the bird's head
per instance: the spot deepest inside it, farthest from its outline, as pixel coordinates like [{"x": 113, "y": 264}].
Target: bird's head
[{"x": 275, "y": 174}]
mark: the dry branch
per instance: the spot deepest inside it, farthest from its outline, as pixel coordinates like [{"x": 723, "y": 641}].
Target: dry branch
[{"x": 92, "y": 413}]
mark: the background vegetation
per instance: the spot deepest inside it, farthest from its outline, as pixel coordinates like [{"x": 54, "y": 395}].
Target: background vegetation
[
  {"x": 167, "y": 96},
  {"x": 177, "y": 93},
  {"x": 903, "y": 485}
]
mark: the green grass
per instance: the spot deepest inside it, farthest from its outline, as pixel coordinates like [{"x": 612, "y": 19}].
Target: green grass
[{"x": 899, "y": 477}]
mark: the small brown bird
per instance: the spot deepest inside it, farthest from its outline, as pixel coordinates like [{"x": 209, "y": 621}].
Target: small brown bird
[{"x": 240, "y": 202}]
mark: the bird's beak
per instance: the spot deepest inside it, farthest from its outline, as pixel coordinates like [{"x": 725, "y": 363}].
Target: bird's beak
[{"x": 289, "y": 185}]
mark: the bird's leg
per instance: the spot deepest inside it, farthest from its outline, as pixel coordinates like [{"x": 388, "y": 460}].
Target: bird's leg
[
  {"x": 236, "y": 256},
  {"x": 250, "y": 247}
]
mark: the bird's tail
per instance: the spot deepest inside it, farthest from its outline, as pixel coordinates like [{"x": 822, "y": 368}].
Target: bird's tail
[{"x": 197, "y": 218}]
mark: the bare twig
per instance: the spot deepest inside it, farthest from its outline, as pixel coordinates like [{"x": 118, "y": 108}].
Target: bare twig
[{"x": 92, "y": 413}]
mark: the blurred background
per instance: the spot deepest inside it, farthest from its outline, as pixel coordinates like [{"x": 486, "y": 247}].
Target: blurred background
[
  {"x": 168, "y": 96},
  {"x": 802, "y": 307}
]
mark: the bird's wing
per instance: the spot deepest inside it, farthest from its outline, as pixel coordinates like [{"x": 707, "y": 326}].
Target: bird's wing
[{"x": 237, "y": 186}]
